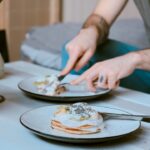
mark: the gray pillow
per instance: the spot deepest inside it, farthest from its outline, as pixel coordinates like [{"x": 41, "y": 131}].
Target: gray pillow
[{"x": 43, "y": 45}]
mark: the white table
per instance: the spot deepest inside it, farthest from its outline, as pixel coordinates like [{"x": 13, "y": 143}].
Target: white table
[{"x": 13, "y": 136}]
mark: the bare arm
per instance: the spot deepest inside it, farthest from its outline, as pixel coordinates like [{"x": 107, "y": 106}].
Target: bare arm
[
  {"x": 96, "y": 27},
  {"x": 110, "y": 9},
  {"x": 123, "y": 66},
  {"x": 143, "y": 59}
]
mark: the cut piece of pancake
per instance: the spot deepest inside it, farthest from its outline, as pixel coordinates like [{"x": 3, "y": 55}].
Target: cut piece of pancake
[
  {"x": 59, "y": 90},
  {"x": 49, "y": 85}
]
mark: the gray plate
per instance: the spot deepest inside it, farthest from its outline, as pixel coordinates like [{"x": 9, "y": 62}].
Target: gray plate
[
  {"x": 74, "y": 93},
  {"x": 38, "y": 121}
]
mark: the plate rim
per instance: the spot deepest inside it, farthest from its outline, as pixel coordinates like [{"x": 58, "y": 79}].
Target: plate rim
[{"x": 75, "y": 138}]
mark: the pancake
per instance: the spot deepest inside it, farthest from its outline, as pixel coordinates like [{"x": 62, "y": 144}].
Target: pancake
[
  {"x": 49, "y": 85},
  {"x": 78, "y": 118}
]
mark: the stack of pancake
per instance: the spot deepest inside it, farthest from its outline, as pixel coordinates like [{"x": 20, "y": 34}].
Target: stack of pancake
[{"x": 78, "y": 118}]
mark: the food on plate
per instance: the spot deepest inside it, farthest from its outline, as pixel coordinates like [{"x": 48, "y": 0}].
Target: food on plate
[
  {"x": 49, "y": 85},
  {"x": 79, "y": 118}
]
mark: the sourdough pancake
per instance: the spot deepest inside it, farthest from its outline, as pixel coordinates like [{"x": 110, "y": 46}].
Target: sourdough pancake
[
  {"x": 49, "y": 85},
  {"x": 78, "y": 118}
]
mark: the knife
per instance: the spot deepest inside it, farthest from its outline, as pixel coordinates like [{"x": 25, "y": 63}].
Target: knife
[
  {"x": 61, "y": 77},
  {"x": 2, "y": 98},
  {"x": 107, "y": 116}
]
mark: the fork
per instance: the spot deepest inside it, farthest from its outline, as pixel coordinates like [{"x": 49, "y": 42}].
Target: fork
[
  {"x": 61, "y": 77},
  {"x": 83, "y": 85}
]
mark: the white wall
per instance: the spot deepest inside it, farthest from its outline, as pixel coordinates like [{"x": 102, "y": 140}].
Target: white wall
[{"x": 78, "y": 10}]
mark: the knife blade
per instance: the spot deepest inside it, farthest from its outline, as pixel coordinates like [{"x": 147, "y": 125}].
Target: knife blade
[
  {"x": 61, "y": 77},
  {"x": 2, "y": 98}
]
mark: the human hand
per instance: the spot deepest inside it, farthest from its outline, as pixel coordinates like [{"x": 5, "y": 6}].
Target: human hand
[
  {"x": 109, "y": 72},
  {"x": 81, "y": 49}
]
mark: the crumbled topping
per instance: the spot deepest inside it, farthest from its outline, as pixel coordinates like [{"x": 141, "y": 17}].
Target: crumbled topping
[
  {"x": 81, "y": 108},
  {"x": 80, "y": 111}
]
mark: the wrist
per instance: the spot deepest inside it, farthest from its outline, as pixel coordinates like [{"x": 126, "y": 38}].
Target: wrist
[
  {"x": 136, "y": 59},
  {"x": 92, "y": 31},
  {"x": 100, "y": 25}
]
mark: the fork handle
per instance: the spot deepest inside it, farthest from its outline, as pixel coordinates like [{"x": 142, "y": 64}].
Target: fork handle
[{"x": 124, "y": 116}]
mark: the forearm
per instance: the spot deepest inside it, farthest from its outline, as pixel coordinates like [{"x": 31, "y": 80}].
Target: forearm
[
  {"x": 142, "y": 58},
  {"x": 110, "y": 9},
  {"x": 103, "y": 16}
]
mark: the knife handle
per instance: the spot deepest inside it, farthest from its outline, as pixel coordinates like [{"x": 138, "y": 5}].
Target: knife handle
[{"x": 124, "y": 116}]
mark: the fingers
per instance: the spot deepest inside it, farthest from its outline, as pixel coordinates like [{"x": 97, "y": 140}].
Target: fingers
[
  {"x": 80, "y": 78},
  {"x": 108, "y": 82},
  {"x": 89, "y": 76},
  {"x": 90, "y": 81},
  {"x": 112, "y": 82},
  {"x": 74, "y": 54},
  {"x": 93, "y": 71},
  {"x": 108, "y": 78},
  {"x": 70, "y": 64},
  {"x": 83, "y": 61},
  {"x": 90, "y": 85},
  {"x": 117, "y": 84},
  {"x": 102, "y": 81}
]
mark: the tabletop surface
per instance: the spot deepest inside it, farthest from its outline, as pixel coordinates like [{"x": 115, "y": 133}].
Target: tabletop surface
[{"x": 13, "y": 136}]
